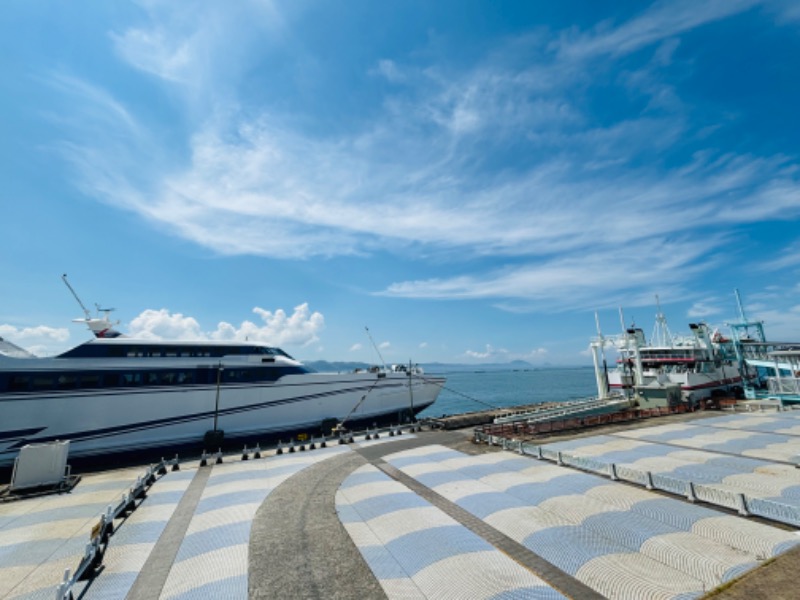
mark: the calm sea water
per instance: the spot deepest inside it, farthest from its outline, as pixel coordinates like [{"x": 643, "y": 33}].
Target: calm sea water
[{"x": 471, "y": 391}]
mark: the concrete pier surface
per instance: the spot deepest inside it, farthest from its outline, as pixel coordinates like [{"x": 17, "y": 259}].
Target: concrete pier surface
[{"x": 430, "y": 514}]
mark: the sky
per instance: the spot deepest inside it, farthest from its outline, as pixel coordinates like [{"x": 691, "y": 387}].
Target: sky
[{"x": 459, "y": 181}]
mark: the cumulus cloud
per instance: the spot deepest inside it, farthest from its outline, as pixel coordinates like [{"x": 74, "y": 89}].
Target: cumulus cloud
[
  {"x": 163, "y": 325},
  {"x": 301, "y": 328},
  {"x": 355, "y": 347},
  {"x": 489, "y": 353}
]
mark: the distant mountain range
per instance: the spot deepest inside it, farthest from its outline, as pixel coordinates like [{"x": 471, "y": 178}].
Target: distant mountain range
[{"x": 324, "y": 366}]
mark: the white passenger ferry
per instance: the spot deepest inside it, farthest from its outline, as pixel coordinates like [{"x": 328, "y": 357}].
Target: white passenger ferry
[{"x": 118, "y": 394}]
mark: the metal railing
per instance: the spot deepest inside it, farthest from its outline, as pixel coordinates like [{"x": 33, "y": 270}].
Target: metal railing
[
  {"x": 744, "y": 504},
  {"x": 104, "y": 528}
]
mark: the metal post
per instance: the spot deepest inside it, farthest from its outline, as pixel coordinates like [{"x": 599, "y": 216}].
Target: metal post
[
  {"x": 216, "y": 404},
  {"x": 410, "y": 391}
]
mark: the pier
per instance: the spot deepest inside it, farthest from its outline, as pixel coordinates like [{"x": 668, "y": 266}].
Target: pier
[{"x": 429, "y": 514}]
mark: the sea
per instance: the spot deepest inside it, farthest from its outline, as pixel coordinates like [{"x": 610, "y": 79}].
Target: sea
[{"x": 469, "y": 391}]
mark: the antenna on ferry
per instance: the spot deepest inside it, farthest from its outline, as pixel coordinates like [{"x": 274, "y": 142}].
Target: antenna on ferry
[
  {"x": 85, "y": 310},
  {"x": 376, "y": 348},
  {"x": 602, "y": 340},
  {"x": 662, "y": 336}
]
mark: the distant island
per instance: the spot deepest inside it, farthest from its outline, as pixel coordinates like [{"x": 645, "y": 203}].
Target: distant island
[{"x": 324, "y": 366}]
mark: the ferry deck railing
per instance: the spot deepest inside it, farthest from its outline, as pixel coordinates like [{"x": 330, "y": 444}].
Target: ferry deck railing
[{"x": 784, "y": 386}]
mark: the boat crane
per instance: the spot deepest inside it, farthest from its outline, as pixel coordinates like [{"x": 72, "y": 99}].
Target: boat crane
[{"x": 101, "y": 327}]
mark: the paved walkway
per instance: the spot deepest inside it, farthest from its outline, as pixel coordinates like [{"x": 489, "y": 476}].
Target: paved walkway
[{"x": 400, "y": 517}]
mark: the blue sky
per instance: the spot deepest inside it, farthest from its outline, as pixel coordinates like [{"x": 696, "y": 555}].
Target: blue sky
[{"x": 469, "y": 179}]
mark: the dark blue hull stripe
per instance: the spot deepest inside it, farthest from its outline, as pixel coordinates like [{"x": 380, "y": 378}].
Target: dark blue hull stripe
[{"x": 20, "y": 433}]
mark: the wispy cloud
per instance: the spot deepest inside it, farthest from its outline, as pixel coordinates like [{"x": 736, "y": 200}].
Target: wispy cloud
[
  {"x": 662, "y": 20},
  {"x": 703, "y": 308},
  {"x": 503, "y": 158}
]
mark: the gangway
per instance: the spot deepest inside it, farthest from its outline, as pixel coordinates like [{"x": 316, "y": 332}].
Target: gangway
[{"x": 575, "y": 408}]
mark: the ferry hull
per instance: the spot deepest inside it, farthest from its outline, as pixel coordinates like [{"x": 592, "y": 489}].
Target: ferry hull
[{"x": 116, "y": 421}]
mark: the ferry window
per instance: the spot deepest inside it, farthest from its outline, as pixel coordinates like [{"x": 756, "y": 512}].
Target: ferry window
[
  {"x": 67, "y": 381},
  {"x": 19, "y": 383},
  {"x": 42, "y": 382},
  {"x": 131, "y": 379},
  {"x": 110, "y": 380},
  {"x": 152, "y": 378},
  {"x": 183, "y": 377},
  {"x": 168, "y": 378},
  {"x": 90, "y": 381}
]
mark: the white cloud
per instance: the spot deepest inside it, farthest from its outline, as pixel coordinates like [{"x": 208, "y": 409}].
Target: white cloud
[
  {"x": 489, "y": 353},
  {"x": 789, "y": 258},
  {"x": 588, "y": 215},
  {"x": 536, "y": 354},
  {"x": 163, "y": 325},
  {"x": 662, "y": 20},
  {"x": 40, "y": 340},
  {"x": 301, "y": 328},
  {"x": 384, "y": 345},
  {"x": 703, "y": 309},
  {"x": 355, "y": 347},
  {"x": 423, "y": 345}
]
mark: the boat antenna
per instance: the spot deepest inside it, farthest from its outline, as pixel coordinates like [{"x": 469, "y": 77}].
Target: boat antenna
[
  {"x": 85, "y": 310},
  {"x": 662, "y": 336},
  {"x": 742, "y": 317},
  {"x": 374, "y": 346},
  {"x": 603, "y": 350}
]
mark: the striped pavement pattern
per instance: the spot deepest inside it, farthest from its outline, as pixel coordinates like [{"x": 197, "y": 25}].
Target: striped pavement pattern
[
  {"x": 41, "y": 537},
  {"x": 417, "y": 551},
  {"x": 787, "y": 423},
  {"x": 778, "y": 447},
  {"x": 622, "y": 541},
  {"x": 737, "y": 474},
  {"x": 212, "y": 560},
  {"x": 132, "y": 543}
]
